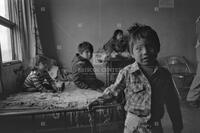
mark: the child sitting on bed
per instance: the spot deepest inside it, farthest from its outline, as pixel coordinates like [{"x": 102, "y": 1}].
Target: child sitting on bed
[
  {"x": 83, "y": 71},
  {"x": 39, "y": 79}
]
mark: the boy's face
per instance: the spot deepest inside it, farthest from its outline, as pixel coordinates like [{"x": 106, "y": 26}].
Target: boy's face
[
  {"x": 119, "y": 36},
  {"x": 143, "y": 52},
  {"x": 86, "y": 54},
  {"x": 42, "y": 66}
]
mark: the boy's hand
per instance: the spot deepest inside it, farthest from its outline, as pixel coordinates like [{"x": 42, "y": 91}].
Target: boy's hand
[
  {"x": 55, "y": 88},
  {"x": 100, "y": 101},
  {"x": 93, "y": 103},
  {"x": 106, "y": 91},
  {"x": 114, "y": 54}
]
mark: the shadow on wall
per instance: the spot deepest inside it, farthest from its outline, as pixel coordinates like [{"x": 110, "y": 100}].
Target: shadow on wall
[{"x": 45, "y": 28}]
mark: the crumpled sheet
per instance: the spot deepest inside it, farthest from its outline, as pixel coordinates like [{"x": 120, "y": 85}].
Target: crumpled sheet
[{"x": 71, "y": 98}]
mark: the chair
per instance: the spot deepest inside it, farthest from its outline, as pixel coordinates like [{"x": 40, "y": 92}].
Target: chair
[{"x": 182, "y": 75}]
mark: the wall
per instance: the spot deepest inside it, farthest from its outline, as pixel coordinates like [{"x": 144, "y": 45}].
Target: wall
[
  {"x": 74, "y": 21},
  {"x": 10, "y": 79},
  {"x": 45, "y": 28}
]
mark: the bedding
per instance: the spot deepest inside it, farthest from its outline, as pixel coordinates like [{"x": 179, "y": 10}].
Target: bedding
[{"x": 71, "y": 98}]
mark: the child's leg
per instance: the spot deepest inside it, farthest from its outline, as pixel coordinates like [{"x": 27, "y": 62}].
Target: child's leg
[
  {"x": 132, "y": 123},
  {"x": 135, "y": 124}
]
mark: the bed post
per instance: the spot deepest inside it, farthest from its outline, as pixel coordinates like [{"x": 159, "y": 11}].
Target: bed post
[{"x": 91, "y": 114}]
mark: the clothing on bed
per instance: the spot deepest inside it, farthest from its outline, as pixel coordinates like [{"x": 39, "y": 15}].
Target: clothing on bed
[{"x": 83, "y": 74}]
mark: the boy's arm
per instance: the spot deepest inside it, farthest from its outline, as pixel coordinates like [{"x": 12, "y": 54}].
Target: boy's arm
[
  {"x": 48, "y": 77},
  {"x": 50, "y": 80},
  {"x": 108, "y": 47},
  {"x": 111, "y": 91},
  {"x": 37, "y": 83},
  {"x": 118, "y": 86},
  {"x": 77, "y": 75},
  {"x": 173, "y": 106}
]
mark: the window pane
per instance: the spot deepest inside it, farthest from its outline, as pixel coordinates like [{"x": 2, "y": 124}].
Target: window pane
[
  {"x": 4, "y": 8},
  {"x": 5, "y": 41}
]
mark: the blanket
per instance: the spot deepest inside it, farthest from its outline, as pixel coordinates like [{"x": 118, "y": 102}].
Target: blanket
[{"x": 71, "y": 98}]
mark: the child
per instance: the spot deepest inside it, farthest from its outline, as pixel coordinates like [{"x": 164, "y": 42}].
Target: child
[
  {"x": 39, "y": 79},
  {"x": 146, "y": 86},
  {"x": 116, "y": 44},
  {"x": 82, "y": 70}
]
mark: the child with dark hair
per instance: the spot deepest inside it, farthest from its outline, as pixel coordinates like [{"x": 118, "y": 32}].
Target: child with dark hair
[
  {"x": 39, "y": 79},
  {"x": 82, "y": 70},
  {"x": 146, "y": 85},
  {"x": 116, "y": 44}
]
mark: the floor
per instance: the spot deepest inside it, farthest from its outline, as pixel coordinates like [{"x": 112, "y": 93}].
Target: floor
[{"x": 191, "y": 120}]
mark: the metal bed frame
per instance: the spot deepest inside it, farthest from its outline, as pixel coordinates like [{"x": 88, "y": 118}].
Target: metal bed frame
[{"x": 60, "y": 116}]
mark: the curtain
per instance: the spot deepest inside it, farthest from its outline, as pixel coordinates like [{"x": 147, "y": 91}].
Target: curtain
[
  {"x": 26, "y": 35},
  {"x": 1, "y": 82},
  {"x": 194, "y": 92}
]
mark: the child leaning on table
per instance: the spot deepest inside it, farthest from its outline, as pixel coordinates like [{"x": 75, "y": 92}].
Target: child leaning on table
[
  {"x": 146, "y": 85},
  {"x": 39, "y": 79}
]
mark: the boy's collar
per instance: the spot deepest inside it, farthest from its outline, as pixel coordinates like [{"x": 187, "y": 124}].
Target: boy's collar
[
  {"x": 135, "y": 67},
  {"x": 80, "y": 57}
]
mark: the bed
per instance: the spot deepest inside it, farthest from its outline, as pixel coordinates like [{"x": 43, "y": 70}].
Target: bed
[{"x": 59, "y": 112}]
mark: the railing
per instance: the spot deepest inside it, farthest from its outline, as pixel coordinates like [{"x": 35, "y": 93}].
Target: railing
[{"x": 92, "y": 114}]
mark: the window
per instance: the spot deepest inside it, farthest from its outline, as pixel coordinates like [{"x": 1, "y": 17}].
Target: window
[{"x": 6, "y": 27}]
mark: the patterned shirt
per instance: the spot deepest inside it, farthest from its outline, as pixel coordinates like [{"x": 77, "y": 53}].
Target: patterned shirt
[
  {"x": 36, "y": 79},
  {"x": 136, "y": 88},
  {"x": 146, "y": 97},
  {"x": 83, "y": 74}
]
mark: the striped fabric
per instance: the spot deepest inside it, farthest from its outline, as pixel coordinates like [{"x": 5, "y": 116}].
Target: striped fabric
[{"x": 37, "y": 79}]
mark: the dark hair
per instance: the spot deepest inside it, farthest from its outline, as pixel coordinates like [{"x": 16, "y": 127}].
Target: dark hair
[
  {"x": 140, "y": 31},
  {"x": 118, "y": 31},
  {"x": 42, "y": 59},
  {"x": 85, "y": 46}
]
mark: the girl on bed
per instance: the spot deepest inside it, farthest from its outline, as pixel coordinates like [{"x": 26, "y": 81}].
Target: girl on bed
[{"x": 39, "y": 79}]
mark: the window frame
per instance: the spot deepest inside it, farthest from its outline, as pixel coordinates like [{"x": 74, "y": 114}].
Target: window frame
[{"x": 9, "y": 24}]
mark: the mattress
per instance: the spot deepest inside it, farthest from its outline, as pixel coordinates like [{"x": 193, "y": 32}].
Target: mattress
[
  {"x": 66, "y": 111},
  {"x": 71, "y": 98}
]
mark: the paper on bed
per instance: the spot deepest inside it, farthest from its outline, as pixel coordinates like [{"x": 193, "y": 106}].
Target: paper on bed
[{"x": 53, "y": 72}]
